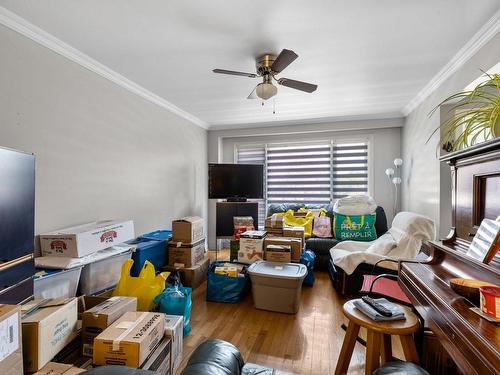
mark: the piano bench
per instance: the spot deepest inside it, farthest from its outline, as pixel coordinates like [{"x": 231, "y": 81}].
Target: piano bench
[{"x": 378, "y": 343}]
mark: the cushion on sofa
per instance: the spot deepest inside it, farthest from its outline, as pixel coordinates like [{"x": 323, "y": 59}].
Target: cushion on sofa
[{"x": 215, "y": 357}]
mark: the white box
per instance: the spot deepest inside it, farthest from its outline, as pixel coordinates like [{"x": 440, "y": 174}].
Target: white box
[
  {"x": 82, "y": 240},
  {"x": 251, "y": 250},
  {"x": 174, "y": 328}
]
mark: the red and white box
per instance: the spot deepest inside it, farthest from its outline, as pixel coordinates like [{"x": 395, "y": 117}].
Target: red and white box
[{"x": 86, "y": 239}]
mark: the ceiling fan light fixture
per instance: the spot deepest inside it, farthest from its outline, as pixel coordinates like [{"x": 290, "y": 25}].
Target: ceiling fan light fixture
[{"x": 266, "y": 90}]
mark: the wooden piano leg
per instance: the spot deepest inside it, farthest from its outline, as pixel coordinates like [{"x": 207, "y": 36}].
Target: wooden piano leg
[
  {"x": 347, "y": 348},
  {"x": 373, "y": 342},
  {"x": 409, "y": 348},
  {"x": 386, "y": 349}
]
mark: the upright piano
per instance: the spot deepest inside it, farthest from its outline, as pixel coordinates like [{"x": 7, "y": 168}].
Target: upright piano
[{"x": 471, "y": 341}]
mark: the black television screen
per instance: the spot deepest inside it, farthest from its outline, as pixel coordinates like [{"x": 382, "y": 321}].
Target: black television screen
[
  {"x": 17, "y": 204},
  {"x": 235, "y": 181}
]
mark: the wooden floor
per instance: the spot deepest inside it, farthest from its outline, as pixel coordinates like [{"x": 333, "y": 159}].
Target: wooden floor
[{"x": 306, "y": 343}]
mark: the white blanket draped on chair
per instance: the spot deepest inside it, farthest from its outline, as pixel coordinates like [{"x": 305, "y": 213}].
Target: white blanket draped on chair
[{"x": 402, "y": 241}]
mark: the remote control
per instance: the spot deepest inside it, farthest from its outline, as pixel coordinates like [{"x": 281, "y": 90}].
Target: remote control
[{"x": 377, "y": 306}]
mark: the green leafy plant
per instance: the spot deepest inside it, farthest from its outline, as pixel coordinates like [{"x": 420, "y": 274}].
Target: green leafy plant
[{"x": 475, "y": 115}]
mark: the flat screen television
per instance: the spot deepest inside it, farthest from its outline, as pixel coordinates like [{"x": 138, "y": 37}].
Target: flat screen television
[
  {"x": 235, "y": 181},
  {"x": 17, "y": 204}
]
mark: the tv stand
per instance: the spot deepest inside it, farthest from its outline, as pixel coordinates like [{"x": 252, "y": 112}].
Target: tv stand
[{"x": 236, "y": 199}]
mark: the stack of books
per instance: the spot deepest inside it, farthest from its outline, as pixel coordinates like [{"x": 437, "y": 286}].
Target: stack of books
[{"x": 396, "y": 310}]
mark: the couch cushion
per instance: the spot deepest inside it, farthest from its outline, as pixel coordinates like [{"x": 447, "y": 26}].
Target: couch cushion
[
  {"x": 400, "y": 368},
  {"x": 253, "y": 369},
  {"x": 215, "y": 357},
  {"x": 320, "y": 246}
]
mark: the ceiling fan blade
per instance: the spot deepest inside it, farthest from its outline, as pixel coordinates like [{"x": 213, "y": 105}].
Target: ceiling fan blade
[
  {"x": 297, "y": 85},
  {"x": 285, "y": 58},
  {"x": 234, "y": 73},
  {"x": 253, "y": 95}
]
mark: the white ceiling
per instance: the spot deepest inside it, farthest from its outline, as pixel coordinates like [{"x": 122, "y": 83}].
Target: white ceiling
[{"x": 369, "y": 58}]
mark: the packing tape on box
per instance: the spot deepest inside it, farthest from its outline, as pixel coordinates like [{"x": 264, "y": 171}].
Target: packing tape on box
[
  {"x": 128, "y": 326},
  {"x": 274, "y": 218}
]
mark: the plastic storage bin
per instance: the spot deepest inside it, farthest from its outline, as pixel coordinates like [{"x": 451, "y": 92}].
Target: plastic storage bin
[
  {"x": 221, "y": 288},
  {"x": 158, "y": 235},
  {"x": 102, "y": 274},
  {"x": 153, "y": 250},
  {"x": 277, "y": 286},
  {"x": 56, "y": 283}
]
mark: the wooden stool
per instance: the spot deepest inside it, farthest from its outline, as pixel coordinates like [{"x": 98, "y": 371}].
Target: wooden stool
[{"x": 378, "y": 342}]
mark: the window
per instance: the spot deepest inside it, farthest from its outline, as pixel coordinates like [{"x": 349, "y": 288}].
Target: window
[
  {"x": 309, "y": 172},
  {"x": 349, "y": 169},
  {"x": 299, "y": 173}
]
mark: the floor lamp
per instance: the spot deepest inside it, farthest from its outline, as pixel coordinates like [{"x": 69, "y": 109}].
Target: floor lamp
[{"x": 394, "y": 176}]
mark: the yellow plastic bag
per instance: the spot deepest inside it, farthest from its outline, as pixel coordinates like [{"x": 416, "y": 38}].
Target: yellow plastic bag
[
  {"x": 306, "y": 222},
  {"x": 145, "y": 287}
]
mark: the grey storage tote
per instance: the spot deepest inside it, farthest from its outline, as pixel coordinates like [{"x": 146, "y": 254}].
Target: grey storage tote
[{"x": 277, "y": 286}]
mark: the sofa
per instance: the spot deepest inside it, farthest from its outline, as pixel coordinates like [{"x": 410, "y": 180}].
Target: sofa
[
  {"x": 343, "y": 283},
  {"x": 321, "y": 246}
]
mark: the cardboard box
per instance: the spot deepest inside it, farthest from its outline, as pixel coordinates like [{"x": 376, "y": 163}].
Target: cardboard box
[
  {"x": 186, "y": 255},
  {"x": 188, "y": 229},
  {"x": 129, "y": 340},
  {"x": 192, "y": 277},
  {"x": 274, "y": 232},
  {"x": 278, "y": 253},
  {"x": 53, "y": 368},
  {"x": 99, "y": 317},
  {"x": 295, "y": 232},
  {"x": 11, "y": 350},
  {"x": 294, "y": 243},
  {"x": 82, "y": 240},
  {"x": 251, "y": 250},
  {"x": 160, "y": 361},
  {"x": 274, "y": 222},
  {"x": 46, "y": 331},
  {"x": 174, "y": 326},
  {"x": 87, "y": 302}
]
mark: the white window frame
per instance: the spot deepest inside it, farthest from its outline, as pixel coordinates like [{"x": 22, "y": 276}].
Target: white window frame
[{"x": 332, "y": 140}]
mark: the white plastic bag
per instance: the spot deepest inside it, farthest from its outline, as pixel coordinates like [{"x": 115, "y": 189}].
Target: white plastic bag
[{"x": 355, "y": 205}]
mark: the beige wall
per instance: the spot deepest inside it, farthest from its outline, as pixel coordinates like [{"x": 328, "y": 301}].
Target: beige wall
[
  {"x": 384, "y": 136},
  {"x": 102, "y": 152},
  {"x": 426, "y": 183}
]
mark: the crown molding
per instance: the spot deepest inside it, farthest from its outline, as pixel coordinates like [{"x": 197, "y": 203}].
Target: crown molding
[
  {"x": 290, "y": 124},
  {"x": 483, "y": 36},
  {"x": 27, "y": 29}
]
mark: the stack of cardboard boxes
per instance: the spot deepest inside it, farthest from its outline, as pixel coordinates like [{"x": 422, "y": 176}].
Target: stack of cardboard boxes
[
  {"x": 108, "y": 330},
  {"x": 283, "y": 243},
  {"x": 277, "y": 243},
  {"x": 186, "y": 251}
]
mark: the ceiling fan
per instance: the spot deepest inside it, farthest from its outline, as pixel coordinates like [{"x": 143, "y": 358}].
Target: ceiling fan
[{"x": 268, "y": 66}]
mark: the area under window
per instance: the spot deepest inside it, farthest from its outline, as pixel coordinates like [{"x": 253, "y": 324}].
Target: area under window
[{"x": 308, "y": 172}]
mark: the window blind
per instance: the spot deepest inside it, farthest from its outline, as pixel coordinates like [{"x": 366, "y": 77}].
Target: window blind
[
  {"x": 254, "y": 154},
  {"x": 299, "y": 173},
  {"x": 349, "y": 169}
]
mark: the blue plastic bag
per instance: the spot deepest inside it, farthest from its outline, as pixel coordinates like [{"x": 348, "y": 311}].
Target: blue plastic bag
[
  {"x": 307, "y": 259},
  {"x": 176, "y": 301},
  {"x": 221, "y": 288}
]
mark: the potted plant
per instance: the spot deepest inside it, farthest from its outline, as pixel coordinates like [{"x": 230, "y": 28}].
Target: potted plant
[{"x": 474, "y": 115}]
